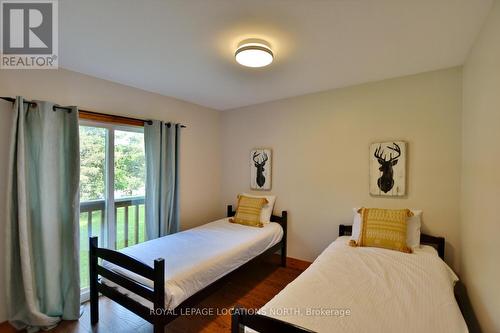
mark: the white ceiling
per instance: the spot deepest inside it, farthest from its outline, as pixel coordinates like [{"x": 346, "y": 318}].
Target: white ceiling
[{"x": 185, "y": 48}]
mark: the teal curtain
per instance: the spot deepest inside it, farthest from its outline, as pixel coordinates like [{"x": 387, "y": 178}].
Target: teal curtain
[
  {"x": 42, "y": 233},
  {"x": 162, "y": 143}
]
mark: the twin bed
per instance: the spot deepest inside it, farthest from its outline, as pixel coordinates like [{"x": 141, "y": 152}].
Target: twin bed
[
  {"x": 366, "y": 289},
  {"x": 346, "y": 289},
  {"x": 192, "y": 263}
]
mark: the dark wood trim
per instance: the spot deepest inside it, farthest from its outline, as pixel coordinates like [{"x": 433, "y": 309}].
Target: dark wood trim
[
  {"x": 93, "y": 281},
  {"x": 466, "y": 308},
  {"x": 283, "y": 220},
  {"x": 126, "y": 262},
  {"x": 437, "y": 242},
  {"x": 294, "y": 263},
  {"x": 160, "y": 316},
  {"x": 126, "y": 302},
  {"x": 343, "y": 230},
  {"x": 138, "y": 289},
  {"x": 159, "y": 293},
  {"x": 114, "y": 119},
  {"x": 298, "y": 264},
  {"x": 108, "y": 118}
]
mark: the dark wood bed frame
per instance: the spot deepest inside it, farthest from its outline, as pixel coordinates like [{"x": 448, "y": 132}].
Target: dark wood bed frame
[
  {"x": 242, "y": 317},
  {"x": 158, "y": 315}
]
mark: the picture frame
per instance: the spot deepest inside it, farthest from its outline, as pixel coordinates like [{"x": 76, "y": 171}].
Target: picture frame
[
  {"x": 388, "y": 168},
  {"x": 261, "y": 169}
]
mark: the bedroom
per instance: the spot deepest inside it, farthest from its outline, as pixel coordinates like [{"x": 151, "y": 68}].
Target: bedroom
[{"x": 344, "y": 75}]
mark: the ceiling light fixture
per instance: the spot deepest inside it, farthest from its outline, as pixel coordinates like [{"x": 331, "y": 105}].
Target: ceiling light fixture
[{"x": 254, "y": 53}]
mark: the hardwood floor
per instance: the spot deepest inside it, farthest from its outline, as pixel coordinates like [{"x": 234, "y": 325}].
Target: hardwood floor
[{"x": 251, "y": 288}]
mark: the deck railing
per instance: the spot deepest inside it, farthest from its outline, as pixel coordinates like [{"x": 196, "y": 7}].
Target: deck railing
[
  {"x": 137, "y": 219},
  {"x": 129, "y": 228}
]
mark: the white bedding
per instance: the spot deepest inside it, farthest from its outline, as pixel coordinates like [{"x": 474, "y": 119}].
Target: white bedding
[
  {"x": 197, "y": 257},
  {"x": 371, "y": 290}
]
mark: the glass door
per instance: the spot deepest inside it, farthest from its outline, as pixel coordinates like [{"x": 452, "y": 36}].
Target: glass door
[{"x": 112, "y": 189}]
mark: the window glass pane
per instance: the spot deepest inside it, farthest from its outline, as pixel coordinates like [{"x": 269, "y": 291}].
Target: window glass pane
[
  {"x": 129, "y": 189},
  {"x": 92, "y": 192},
  {"x": 130, "y": 175}
]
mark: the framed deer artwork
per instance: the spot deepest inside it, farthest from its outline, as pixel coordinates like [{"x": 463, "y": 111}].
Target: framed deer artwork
[
  {"x": 388, "y": 169},
  {"x": 260, "y": 169}
]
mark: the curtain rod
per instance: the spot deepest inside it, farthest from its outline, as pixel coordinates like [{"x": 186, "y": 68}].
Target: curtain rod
[{"x": 55, "y": 107}]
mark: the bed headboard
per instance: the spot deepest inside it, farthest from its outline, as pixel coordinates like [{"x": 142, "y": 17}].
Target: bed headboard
[
  {"x": 436, "y": 242},
  {"x": 282, "y": 220}
]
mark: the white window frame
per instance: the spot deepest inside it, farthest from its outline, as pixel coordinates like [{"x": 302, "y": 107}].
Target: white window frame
[{"x": 109, "y": 197}]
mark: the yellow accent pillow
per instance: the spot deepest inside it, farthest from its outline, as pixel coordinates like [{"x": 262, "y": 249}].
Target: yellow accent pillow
[
  {"x": 385, "y": 228},
  {"x": 248, "y": 211}
]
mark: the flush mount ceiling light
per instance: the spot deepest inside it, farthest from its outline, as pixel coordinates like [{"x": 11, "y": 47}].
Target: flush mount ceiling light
[{"x": 254, "y": 53}]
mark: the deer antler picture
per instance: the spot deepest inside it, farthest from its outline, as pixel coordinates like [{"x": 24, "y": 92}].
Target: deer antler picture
[
  {"x": 388, "y": 168},
  {"x": 260, "y": 169}
]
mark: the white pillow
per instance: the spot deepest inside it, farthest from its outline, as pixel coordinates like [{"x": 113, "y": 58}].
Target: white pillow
[
  {"x": 267, "y": 210},
  {"x": 413, "y": 225}
]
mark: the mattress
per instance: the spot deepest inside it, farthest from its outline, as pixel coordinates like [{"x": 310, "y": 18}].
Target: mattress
[
  {"x": 197, "y": 257},
  {"x": 371, "y": 290}
]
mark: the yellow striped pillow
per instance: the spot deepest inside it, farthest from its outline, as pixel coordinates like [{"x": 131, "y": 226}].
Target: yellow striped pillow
[
  {"x": 385, "y": 228},
  {"x": 248, "y": 211}
]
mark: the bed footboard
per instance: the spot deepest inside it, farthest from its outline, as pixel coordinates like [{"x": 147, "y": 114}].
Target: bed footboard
[
  {"x": 241, "y": 318},
  {"x": 158, "y": 316},
  {"x": 156, "y": 295}
]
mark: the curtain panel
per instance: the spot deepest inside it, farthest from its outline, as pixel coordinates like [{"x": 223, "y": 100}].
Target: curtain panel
[
  {"x": 162, "y": 147},
  {"x": 42, "y": 232}
]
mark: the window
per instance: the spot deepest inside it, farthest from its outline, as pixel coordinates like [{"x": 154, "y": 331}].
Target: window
[{"x": 112, "y": 189}]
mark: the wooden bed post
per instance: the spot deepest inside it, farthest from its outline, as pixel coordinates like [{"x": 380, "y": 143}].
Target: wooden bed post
[
  {"x": 236, "y": 312},
  {"x": 284, "y": 220},
  {"x": 342, "y": 230},
  {"x": 159, "y": 295},
  {"x": 94, "y": 294}
]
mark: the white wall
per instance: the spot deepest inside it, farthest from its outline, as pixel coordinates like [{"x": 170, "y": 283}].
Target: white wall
[
  {"x": 320, "y": 162},
  {"x": 200, "y": 158},
  {"x": 480, "y": 223}
]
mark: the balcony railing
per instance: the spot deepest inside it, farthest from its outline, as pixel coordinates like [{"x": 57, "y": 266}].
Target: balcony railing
[
  {"x": 129, "y": 227},
  {"x": 129, "y": 216}
]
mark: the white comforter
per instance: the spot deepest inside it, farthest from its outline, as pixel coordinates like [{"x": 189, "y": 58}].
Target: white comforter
[
  {"x": 371, "y": 290},
  {"x": 197, "y": 257}
]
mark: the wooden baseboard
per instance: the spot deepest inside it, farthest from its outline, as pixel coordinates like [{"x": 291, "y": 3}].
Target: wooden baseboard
[
  {"x": 297, "y": 263},
  {"x": 293, "y": 263}
]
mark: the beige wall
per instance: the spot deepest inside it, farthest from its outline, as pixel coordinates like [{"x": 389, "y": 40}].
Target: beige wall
[
  {"x": 480, "y": 224},
  {"x": 320, "y": 144},
  {"x": 200, "y": 159}
]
